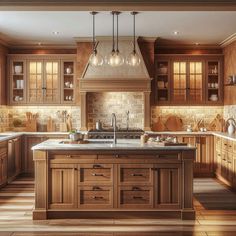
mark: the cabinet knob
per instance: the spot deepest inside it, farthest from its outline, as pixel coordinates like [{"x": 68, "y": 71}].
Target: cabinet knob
[
  {"x": 68, "y": 156},
  {"x": 135, "y": 188},
  {"x": 97, "y": 166},
  {"x": 134, "y": 174},
  {"x": 96, "y": 174},
  {"x": 96, "y": 188},
  {"x": 97, "y": 198},
  {"x": 137, "y": 197}
]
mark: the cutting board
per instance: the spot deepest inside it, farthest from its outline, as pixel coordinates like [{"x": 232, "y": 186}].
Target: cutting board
[
  {"x": 50, "y": 125},
  {"x": 217, "y": 124},
  {"x": 174, "y": 123},
  {"x": 159, "y": 125}
]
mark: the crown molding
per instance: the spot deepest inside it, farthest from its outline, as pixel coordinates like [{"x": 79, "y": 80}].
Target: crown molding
[
  {"x": 116, "y": 5},
  {"x": 228, "y": 40},
  {"x": 102, "y": 38}
]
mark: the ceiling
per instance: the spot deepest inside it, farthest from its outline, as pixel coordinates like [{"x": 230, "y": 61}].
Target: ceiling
[{"x": 32, "y": 27}]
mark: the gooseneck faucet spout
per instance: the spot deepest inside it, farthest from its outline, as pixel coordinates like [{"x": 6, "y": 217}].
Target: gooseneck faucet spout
[{"x": 113, "y": 124}]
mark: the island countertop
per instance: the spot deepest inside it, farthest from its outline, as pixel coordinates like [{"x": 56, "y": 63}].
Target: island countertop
[{"x": 105, "y": 144}]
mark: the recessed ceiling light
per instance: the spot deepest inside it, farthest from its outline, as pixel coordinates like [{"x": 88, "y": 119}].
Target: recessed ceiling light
[
  {"x": 55, "y": 32},
  {"x": 176, "y": 32}
]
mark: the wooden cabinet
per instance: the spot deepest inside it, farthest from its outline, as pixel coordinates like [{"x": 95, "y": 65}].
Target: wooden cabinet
[
  {"x": 204, "y": 162},
  {"x": 188, "y": 80},
  {"x": 168, "y": 187},
  {"x": 3, "y": 81},
  {"x": 62, "y": 186},
  {"x": 225, "y": 151},
  {"x": 42, "y": 79},
  {"x": 29, "y": 142},
  {"x": 82, "y": 181},
  {"x": 3, "y": 163},
  {"x": 17, "y": 74}
]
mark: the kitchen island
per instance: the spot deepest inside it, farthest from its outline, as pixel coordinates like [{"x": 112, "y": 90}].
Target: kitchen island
[{"x": 127, "y": 179}]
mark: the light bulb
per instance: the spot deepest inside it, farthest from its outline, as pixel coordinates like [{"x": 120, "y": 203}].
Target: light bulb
[
  {"x": 96, "y": 59},
  {"x": 115, "y": 59},
  {"x": 133, "y": 59}
]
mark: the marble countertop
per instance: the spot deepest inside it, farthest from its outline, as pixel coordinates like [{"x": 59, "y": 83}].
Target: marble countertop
[
  {"x": 99, "y": 144},
  {"x": 5, "y": 136}
]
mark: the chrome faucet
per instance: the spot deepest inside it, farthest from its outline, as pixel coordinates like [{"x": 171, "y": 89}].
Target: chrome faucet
[
  {"x": 113, "y": 124},
  {"x": 127, "y": 120}
]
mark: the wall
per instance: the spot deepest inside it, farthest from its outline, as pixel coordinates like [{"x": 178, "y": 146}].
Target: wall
[
  {"x": 189, "y": 114},
  {"x": 102, "y": 105}
]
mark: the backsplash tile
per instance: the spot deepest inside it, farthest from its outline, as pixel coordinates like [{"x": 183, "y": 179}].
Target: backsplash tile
[
  {"x": 189, "y": 114},
  {"x": 230, "y": 111},
  {"x": 102, "y": 105},
  {"x": 4, "y": 118}
]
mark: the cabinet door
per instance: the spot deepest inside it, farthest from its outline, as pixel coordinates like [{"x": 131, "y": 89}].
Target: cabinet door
[
  {"x": 224, "y": 165},
  {"x": 179, "y": 82},
  {"x": 28, "y": 160},
  {"x": 51, "y": 82},
  {"x": 62, "y": 189},
  {"x": 196, "y": 82},
  {"x": 17, "y": 152},
  {"x": 230, "y": 168},
  {"x": 167, "y": 187},
  {"x": 35, "y": 82},
  {"x": 3, "y": 165}
]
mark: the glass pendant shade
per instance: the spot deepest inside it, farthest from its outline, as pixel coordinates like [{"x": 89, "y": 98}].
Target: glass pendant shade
[
  {"x": 133, "y": 59},
  {"x": 96, "y": 59},
  {"x": 115, "y": 59}
]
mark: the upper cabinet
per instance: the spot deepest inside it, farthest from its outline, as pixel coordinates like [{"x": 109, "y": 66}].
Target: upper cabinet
[
  {"x": 38, "y": 80},
  {"x": 188, "y": 80}
]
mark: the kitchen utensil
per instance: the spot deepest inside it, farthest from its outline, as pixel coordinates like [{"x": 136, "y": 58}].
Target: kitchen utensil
[
  {"x": 69, "y": 122},
  {"x": 216, "y": 124},
  {"x": 159, "y": 125},
  {"x": 174, "y": 123},
  {"x": 76, "y": 136},
  {"x": 31, "y": 123},
  {"x": 98, "y": 125}
]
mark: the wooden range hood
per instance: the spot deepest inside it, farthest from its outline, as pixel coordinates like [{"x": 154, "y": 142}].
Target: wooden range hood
[{"x": 115, "y": 79}]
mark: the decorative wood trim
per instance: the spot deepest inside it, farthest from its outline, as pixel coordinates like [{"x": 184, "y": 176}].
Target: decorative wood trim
[{"x": 228, "y": 40}]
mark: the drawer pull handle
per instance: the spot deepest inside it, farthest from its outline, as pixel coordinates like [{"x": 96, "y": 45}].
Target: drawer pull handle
[
  {"x": 97, "y": 166},
  {"x": 225, "y": 144},
  {"x": 97, "y": 198},
  {"x": 135, "y": 188},
  {"x": 117, "y": 156},
  {"x": 137, "y": 197},
  {"x": 96, "y": 188},
  {"x": 136, "y": 174},
  {"x": 68, "y": 156},
  {"x": 95, "y": 174}
]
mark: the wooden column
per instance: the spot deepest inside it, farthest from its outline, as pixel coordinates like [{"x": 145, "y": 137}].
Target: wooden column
[
  {"x": 83, "y": 111},
  {"x": 188, "y": 212},
  {"x": 147, "y": 111},
  {"x": 41, "y": 185}
]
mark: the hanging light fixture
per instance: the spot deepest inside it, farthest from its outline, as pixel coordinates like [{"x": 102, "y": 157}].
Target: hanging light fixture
[
  {"x": 95, "y": 59},
  {"x": 115, "y": 58},
  {"x": 133, "y": 59}
]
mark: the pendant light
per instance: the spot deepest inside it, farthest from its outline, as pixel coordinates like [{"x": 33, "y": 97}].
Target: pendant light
[
  {"x": 133, "y": 59},
  {"x": 115, "y": 58},
  {"x": 95, "y": 59}
]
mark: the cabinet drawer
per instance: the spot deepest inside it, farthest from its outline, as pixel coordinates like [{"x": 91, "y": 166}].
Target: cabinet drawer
[
  {"x": 72, "y": 156},
  {"x": 96, "y": 173},
  {"x": 135, "y": 197},
  {"x": 227, "y": 145},
  {"x": 127, "y": 156},
  {"x": 135, "y": 173},
  {"x": 95, "y": 197},
  {"x": 230, "y": 146}
]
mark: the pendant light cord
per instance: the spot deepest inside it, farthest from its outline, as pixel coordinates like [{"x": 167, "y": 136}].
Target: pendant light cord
[
  {"x": 117, "y": 25},
  {"x": 134, "y": 33},
  {"x": 93, "y": 32},
  {"x": 113, "y": 32}
]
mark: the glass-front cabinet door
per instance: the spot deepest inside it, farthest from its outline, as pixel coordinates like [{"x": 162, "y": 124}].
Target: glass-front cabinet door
[
  {"x": 51, "y": 87},
  {"x": 35, "y": 81},
  {"x": 179, "y": 91},
  {"x": 195, "y": 88}
]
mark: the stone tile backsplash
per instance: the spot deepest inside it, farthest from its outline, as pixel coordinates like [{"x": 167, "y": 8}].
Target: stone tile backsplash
[
  {"x": 4, "y": 118},
  {"x": 189, "y": 114},
  {"x": 102, "y": 105},
  {"x": 230, "y": 111}
]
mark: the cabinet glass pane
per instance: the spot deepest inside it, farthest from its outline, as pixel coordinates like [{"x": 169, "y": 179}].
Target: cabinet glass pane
[
  {"x": 52, "y": 82},
  {"x": 35, "y": 81},
  {"x": 195, "y": 82},
  {"x": 179, "y": 81}
]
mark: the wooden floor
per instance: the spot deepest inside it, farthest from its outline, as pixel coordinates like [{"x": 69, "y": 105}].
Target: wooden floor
[{"x": 212, "y": 202}]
